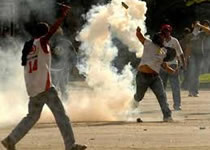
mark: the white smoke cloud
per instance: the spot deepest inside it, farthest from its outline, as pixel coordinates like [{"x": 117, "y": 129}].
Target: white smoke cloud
[
  {"x": 12, "y": 88},
  {"x": 110, "y": 91}
]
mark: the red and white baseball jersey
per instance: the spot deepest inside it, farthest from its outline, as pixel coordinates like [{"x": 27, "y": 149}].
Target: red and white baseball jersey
[{"x": 37, "y": 70}]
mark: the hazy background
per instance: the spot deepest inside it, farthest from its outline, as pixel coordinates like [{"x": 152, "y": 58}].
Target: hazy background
[{"x": 108, "y": 92}]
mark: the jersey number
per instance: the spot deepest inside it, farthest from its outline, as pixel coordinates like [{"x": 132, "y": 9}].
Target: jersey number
[{"x": 33, "y": 65}]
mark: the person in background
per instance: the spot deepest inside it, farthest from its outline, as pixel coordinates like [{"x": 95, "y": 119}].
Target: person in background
[
  {"x": 199, "y": 33},
  {"x": 64, "y": 58},
  {"x": 205, "y": 66},
  {"x": 171, "y": 41},
  {"x": 148, "y": 72},
  {"x": 36, "y": 59},
  {"x": 185, "y": 44}
]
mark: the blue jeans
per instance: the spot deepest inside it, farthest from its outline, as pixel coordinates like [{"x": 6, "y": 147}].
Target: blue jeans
[
  {"x": 186, "y": 81},
  {"x": 143, "y": 81},
  {"x": 194, "y": 73},
  {"x": 35, "y": 106},
  {"x": 175, "y": 85}
]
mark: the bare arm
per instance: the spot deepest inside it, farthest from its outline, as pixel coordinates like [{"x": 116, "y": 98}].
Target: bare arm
[
  {"x": 167, "y": 68},
  {"x": 140, "y": 35}
]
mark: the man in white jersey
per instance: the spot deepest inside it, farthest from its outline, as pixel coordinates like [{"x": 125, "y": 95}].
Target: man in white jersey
[
  {"x": 148, "y": 72},
  {"x": 171, "y": 41},
  {"x": 36, "y": 60}
]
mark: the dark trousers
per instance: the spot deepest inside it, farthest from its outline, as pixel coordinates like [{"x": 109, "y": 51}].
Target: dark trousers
[
  {"x": 175, "y": 85},
  {"x": 143, "y": 81}
]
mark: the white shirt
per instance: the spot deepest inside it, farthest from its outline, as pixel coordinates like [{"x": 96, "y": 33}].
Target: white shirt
[
  {"x": 153, "y": 55},
  {"x": 37, "y": 69},
  {"x": 174, "y": 43}
]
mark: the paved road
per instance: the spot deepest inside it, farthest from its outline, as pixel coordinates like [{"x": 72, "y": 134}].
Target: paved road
[{"x": 189, "y": 131}]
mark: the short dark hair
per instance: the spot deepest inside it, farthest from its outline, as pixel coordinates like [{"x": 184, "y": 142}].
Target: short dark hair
[
  {"x": 40, "y": 29},
  {"x": 170, "y": 54},
  {"x": 158, "y": 39}
]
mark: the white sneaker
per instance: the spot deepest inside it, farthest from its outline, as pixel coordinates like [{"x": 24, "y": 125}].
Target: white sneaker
[{"x": 196, "y": 95}]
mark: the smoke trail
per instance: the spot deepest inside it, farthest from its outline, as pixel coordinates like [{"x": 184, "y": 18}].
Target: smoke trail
[
  {"x": 110, "y": 91},
  {"x": 12, "y": 99}
]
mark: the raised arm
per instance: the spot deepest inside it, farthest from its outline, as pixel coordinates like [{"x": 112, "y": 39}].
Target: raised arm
[
  {"x": 204, "y": 28},
  {"x": 140, "y": 35},
  {"x": 58, "y": 22}
]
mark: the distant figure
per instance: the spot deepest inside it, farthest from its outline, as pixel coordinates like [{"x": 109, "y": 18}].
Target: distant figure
[
  {"x": 199, "y": 33},
  {"x": 185, "y": 44},
  {"x": 148, "y": 72},
  {"x": 36, "y": 61},
  {"x": 205, "y": 66},
  {"x": 64, "y": 59},
  {"x": 171, "y": 41}
]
